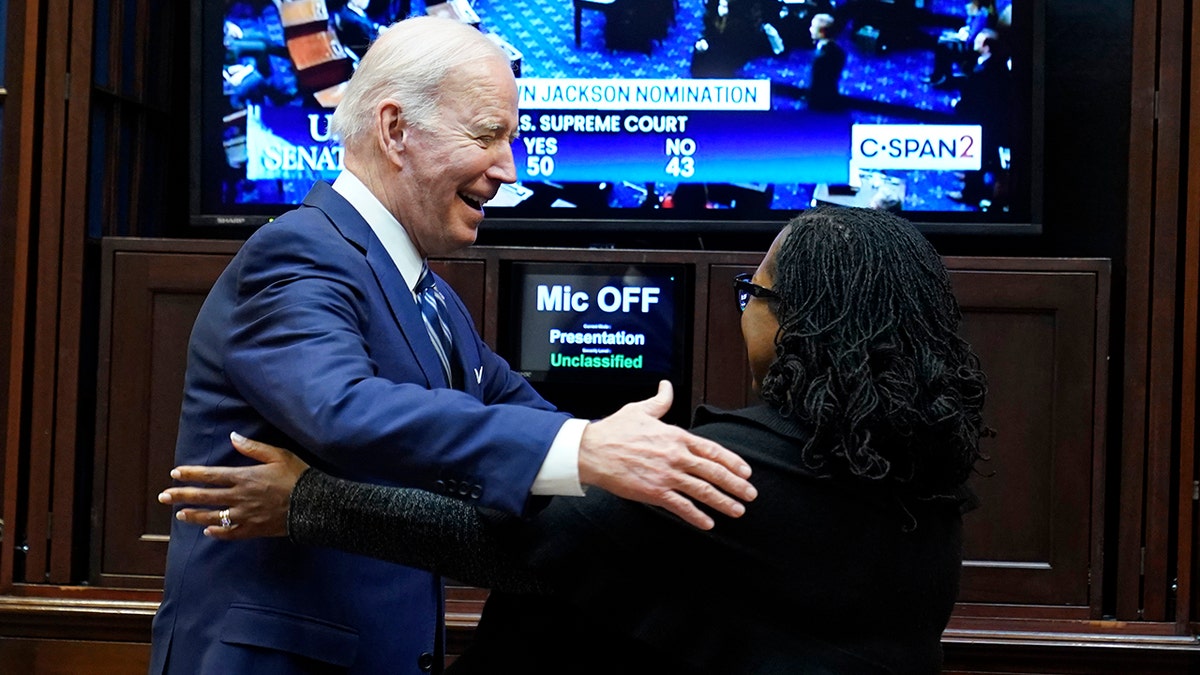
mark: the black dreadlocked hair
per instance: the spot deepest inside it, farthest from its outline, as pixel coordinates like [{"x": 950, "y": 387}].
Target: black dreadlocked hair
[{"x": 868, "y": 356}]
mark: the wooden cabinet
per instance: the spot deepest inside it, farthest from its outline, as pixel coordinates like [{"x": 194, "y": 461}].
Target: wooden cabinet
[
  {"x": 1039, "y": 326},
  {"x": 727, "y": 382},
  {"x": 1040, "y": 329},
  {"x": 149, "y": 301},
  {"x": 1032, "y": 587}
]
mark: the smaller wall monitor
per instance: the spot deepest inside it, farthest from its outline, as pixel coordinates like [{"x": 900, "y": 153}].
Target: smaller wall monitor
[{"x": 592, "y": 337}]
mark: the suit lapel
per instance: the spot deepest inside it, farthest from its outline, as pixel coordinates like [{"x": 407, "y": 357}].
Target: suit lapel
[{"x": 399, "y": 298}]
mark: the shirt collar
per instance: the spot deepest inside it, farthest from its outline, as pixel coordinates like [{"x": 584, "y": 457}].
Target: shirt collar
[{"x": 390, "y": 232}]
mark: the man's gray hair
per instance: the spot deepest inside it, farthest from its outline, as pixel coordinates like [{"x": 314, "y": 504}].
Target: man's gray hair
[
  {"x": 408, "y": 63},
  {"x": 823, "y": 21}
]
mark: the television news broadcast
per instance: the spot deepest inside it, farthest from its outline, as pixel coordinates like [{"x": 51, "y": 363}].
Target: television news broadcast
[{"x": 722, "y": 110}]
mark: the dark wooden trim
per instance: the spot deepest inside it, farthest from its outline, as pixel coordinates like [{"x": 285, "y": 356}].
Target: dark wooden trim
[
  {"x": 1034, "y": 656},
  {"x": 97, "y": 615},
  {"x": 61, "y": 220},
  {"x": 1100, "y": 424},
  {"x": 44, "y": 401},
  {"x": 1160, "y": 464},
  {"x": 727, "y": 380},
  {"x": 16, "y": 220},
  {"x": 1132, "y": 469},
  {"x": 152, "y": 245},
  {"x": 110, "y": 168},
  {"x": 70, "y": 304},
  {"x": 700, "y": 320},
  {"x": 25, "y": 655},
  {"x": 1014, "y": 647},
  {"x": 77, "y": 618},
  {"x": 1024, "y": 621},
  {"x": 1186, "y": 602}
]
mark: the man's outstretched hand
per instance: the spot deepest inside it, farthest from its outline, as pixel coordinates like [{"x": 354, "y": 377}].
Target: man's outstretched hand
[{"x": 634, "y": 454}]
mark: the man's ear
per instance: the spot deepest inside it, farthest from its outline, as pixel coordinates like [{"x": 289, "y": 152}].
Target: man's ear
[{"x": 391, "y": 130}]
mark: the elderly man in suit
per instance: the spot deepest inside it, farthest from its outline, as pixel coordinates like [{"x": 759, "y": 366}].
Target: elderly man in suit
[
  {"x": 985, "y": 93},
  {"x": 828, "y": 61},
  {"x": 328, "y": 332}
]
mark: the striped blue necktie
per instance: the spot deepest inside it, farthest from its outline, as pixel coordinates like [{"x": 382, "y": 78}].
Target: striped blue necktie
[{"x": 433, "y": 310}]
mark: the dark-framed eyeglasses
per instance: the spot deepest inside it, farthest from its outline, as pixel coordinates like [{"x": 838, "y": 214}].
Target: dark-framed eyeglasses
[{"x": 744, "y": 289}]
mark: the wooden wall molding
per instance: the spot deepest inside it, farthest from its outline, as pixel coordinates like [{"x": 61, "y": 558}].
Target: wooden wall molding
[
  {"x": 1189, "y": 377},
  {"x": 114, "y": 634},
  {"x": 77, "y": 618},
  {"x": 1039, "y": 657},
  {"x": 48, "y": 228},
  {"x": 18, "y": 185},
  {"x": 1149, "y": 465}
]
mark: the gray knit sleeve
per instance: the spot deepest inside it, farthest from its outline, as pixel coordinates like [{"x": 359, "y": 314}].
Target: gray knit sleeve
[{"x": 411, "y": 527}]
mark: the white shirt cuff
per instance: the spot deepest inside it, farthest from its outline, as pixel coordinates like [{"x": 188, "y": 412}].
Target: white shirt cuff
[{"x": 559, "y": 474}]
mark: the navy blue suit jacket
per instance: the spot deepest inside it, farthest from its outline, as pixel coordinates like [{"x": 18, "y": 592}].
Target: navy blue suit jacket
[
  {"x": 825, "y": 73},
  {"x": 311, "y": 340}
]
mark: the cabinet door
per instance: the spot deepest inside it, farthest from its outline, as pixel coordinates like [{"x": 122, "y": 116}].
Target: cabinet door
[
  {"x": 153, "y": 293},
  {"x": 1036, "y": 335},
  {"x": 726, "y": 371},
  {"x": 151, "y": 301},
  {"x": 467, "y": 279}
]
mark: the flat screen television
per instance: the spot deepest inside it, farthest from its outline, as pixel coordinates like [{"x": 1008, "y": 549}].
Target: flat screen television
[
  {"x": 591, "y": 337},
  {"x": 663, "y": 115}
]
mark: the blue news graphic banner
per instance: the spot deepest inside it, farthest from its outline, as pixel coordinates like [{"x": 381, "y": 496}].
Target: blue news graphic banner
[
  {"x": 289, "y": 143},
  {"x": 692, "y": 146},
  {"x": 674, "y": 131}
]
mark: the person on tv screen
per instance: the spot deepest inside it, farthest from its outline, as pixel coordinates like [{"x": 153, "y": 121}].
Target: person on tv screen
[
  {"x": 328, "y": 332},
  {"x": 355, "y": 28},
  {"x": 983, "y": 100},
  {"x": 825, "y": 71},
  {"x": 848, "y": 561},
  {"x": 954, "y": 49}
]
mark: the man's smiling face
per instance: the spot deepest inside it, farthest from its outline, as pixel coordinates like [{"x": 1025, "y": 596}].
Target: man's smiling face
[{"x": 455, "y": 163}]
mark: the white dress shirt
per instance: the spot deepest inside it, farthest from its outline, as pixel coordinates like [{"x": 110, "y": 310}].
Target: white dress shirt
[{"x": 559, "y": 474}]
